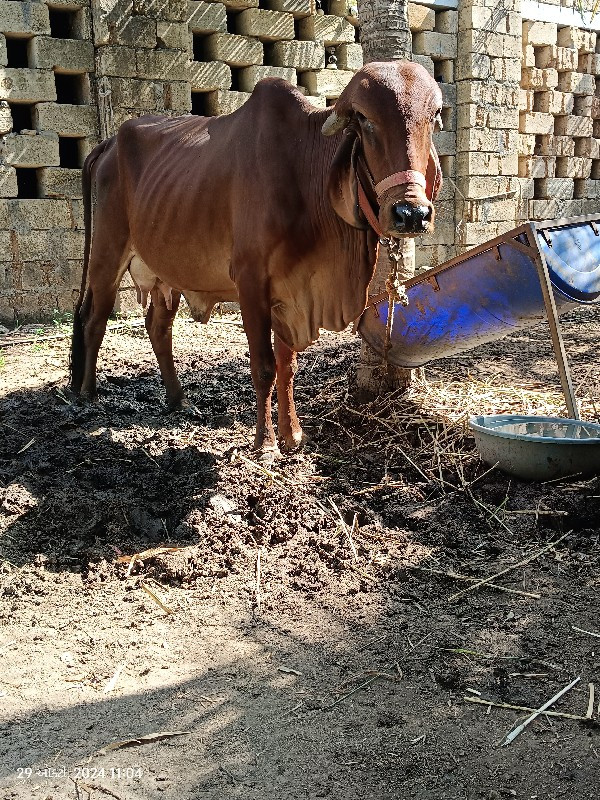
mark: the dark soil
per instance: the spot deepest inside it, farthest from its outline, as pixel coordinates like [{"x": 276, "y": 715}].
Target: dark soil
[{"x": 313, "y": 648}]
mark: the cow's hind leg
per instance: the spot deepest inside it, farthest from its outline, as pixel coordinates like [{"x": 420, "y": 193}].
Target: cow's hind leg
[
  {"x": 290, "y": 431},
  {"x": 107, "y": 264},
  {"x": 103, "y": 265},
  {"x": 91, "y": 317},
  {"x": 159, "y": 325},
  {"x": 78, "y": 345},
  {"x": 256, "y": 315}
]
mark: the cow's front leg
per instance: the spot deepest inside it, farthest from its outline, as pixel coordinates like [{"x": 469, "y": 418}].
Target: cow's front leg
[
  {"x": 290, "y": 431},
  {"x": 256, "y": 315}
]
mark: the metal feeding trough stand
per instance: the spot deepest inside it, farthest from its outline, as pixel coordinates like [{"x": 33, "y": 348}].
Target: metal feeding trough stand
[{"x": 536, "y": 271}]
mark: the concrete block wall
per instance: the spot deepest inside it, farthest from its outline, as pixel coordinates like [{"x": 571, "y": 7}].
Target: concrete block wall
[
  {"x": 142, "y": 59},
  {"x": 48, "y": 124},
  {"x": 236, "y": 44},
  {"x": 559, "y": 121},
  {"x": 527, "y": 122},
  {"x": 521, "y": 109},
  {"x": 71, "y": 71},
  {"x": 435, "y": 46},
  {"x": 488, "y": 74}
]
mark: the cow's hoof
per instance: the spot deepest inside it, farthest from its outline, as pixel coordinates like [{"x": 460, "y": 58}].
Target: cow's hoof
[
  {"x": 176, "y": 404},
  {"x": 86, "y": 399},
  {"x": 71, "y": 395},
  {"x": 268, "y": 455},
  {"x": 292, "y": 441}
]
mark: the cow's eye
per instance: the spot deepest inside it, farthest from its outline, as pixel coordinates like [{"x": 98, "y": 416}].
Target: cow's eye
[
  {"x": 437, "y": 122},
  {"x": 364, "y": 123}
]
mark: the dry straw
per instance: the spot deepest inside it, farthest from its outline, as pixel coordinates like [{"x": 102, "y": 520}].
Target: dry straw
[{"x": 427, "y": 427}]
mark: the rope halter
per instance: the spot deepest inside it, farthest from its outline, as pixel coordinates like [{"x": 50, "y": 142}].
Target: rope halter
[{"x": 399, "y": 178}]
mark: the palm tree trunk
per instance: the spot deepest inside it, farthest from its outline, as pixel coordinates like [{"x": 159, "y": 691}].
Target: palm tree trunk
[
  {"x": 384, "y": 34},
  {"x": 384, "y": 31}
]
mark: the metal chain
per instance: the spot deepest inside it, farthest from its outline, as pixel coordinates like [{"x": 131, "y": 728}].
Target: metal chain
[{"x": 396, "y": 290}]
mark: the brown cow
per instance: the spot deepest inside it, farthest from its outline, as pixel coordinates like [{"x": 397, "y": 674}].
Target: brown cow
[{"x": 277, "y": 205}]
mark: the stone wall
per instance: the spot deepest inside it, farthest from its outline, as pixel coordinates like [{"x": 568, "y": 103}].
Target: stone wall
[
  {"x": 435, "y": 46},
  {"x": 520, "y": 136},
  {"x": 559, "y": 152}
]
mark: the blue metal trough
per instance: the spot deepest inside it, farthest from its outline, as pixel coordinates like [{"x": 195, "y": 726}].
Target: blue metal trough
[
  {"x": 489, "y": 292},
  {"x": 536, "y": 271}
]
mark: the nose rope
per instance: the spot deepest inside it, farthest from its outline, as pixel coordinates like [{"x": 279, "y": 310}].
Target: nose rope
[
  {"x": 367, "y": 209},
  {"x": 397, "y": 179},
  {"x": 396, "y": 290}
]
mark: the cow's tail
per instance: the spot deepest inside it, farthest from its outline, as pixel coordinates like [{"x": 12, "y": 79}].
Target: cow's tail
[{"x": 77, "y": 361}]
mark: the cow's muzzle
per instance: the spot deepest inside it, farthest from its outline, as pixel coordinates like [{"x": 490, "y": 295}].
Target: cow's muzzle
[{"x": 407, "y": 218}]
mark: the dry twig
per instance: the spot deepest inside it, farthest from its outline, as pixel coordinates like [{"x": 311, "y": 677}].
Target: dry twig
[
  {"x": 482, "y": 702},
  {"x": 589, "y": 633},
  {"x": 97, "y": 787},
  {"x": 457, "y": 577},
  {"x": 257, "y": 589},
  {"x": 146, "y": 739},
  {"x": 156, "y": 598},
  {"x": 510, "y": 737},
  {"x": 346, "y": 530},
  {"x": 353, "y": 691},
  {"x": 151, "y": 553},
  {"x": 510, "y": 568},
  {"x": 276, "y": 477},
  {"x": 113, "y": 681}
]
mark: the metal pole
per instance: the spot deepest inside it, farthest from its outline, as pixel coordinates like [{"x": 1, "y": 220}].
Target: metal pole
[{"x": 557, "y": 340}]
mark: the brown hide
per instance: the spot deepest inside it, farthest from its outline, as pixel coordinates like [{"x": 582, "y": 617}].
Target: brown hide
[
  {"x": 244, "y": 207},
  {"x": 210, "y": 207}
]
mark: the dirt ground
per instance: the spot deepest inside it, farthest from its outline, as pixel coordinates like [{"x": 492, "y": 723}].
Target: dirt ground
[{"x": 303, "y": 640}]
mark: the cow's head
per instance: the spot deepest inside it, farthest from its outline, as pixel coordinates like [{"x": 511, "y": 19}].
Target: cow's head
[{"x": 388, "y": 113}]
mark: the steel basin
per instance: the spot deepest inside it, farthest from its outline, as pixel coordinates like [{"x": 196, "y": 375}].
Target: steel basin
[{"x": 538, "y": 448}]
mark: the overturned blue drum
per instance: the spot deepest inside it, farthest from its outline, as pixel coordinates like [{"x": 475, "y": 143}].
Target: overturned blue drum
[{"x": 488, "y": 292}]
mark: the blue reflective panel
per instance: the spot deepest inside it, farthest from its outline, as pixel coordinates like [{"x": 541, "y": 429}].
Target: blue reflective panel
[{"x": 573, "y": 257}]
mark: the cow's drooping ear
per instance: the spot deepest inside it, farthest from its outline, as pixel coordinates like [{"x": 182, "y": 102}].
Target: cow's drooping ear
[
  {"x": 433, "y": 176},
  {"x": 341, "y": 183},
  {"x": 335, "y": 123},
  {"x": 341, "y": 115}
]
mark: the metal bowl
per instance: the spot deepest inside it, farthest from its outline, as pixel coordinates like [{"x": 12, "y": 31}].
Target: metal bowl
[{"x": 538, "y": 448}]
